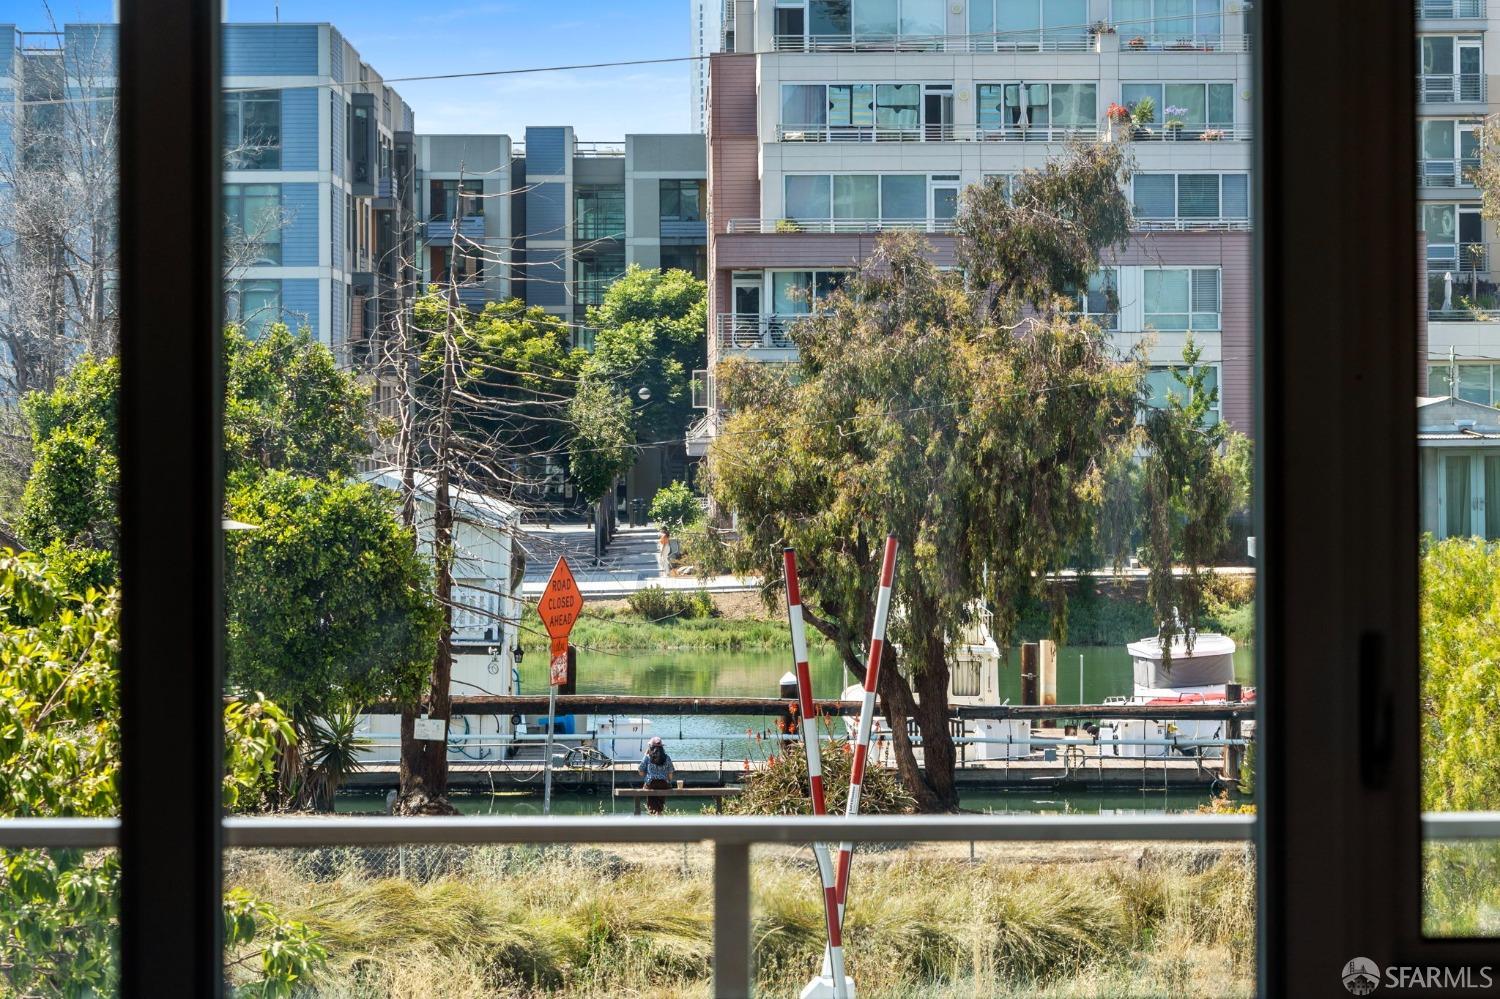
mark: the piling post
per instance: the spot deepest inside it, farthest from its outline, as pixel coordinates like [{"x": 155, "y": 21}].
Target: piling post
[
  {"x": 1232, "y": 754},
  {"x": 1030, "y": 654}
]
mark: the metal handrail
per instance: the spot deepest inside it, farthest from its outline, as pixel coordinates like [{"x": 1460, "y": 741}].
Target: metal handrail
[
  {"x": 839, "y": 225},
  {"x": 1445, "y": 10},
  {"x": 766, "y": 332},
  {"x": 1191, "y": 132},
  {"x": 1190, "y": 225},
  {"x": 1069, "y": 41},
  {"x": 1215, "y": 41},
  {"x": 1453, "y": 171},
  {"x": 1451, "y": 88}
]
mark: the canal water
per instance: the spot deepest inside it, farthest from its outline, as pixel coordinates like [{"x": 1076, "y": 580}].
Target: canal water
[{"x": 1105, "y": 671}]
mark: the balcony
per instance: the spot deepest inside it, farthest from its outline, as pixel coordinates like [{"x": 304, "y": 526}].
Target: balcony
[
  {"x": 439, "y": 231},
  {"x": 1461, "y": 259},
  {"x": 1191, "y": 132},
  {"x": 1447, "y": 173},
  {"x": 1190, "y": 225},
  {"x": 1008, "y": 42},
  {"x": 839, "y": 226},
  {"x": 684, "y": 229},
  {"x": 1177, "y": 42},
  {"x": 1451, "y": 88},
  {"x": 756, "y": 335},
  {"x": 1449, "y": 10},
  {"x": 1005, "y": 133}
]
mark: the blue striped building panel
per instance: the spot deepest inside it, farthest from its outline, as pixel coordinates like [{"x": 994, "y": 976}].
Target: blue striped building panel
[
  {"x": 89, "y": 51},
  {"x": 336, "y": 111},
  {"x": 546, "y": 277},
  {"x": 336, "y": 228},
  {"x": 546, "y": 150},
  {"x": 7, "y": 98},
  {"x": 299, "y": 129},
  {"x": 300, "y": 240},
  {"x": 299, "y": 304},
  {"x": 546, "y": 210},
  {"x": 335, "y": 54},
  {"x": 338, "y": 334},
  {"x": 7, "y": 47},
  {"x": 270, "y": 50}
]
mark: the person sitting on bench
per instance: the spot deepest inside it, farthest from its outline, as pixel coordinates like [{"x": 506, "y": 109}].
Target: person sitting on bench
[{"x": 658, "y": 771}]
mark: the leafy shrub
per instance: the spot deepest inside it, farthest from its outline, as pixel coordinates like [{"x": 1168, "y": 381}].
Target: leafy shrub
[
  {"x": 705, "y": 553},
  {"x": 675, "y": 507},
  {"x": 780, "y": 787},
  {"x": 656, "y": 604}
]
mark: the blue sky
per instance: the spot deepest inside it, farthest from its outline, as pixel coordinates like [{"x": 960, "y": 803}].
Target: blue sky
[{"x": 415, "y": 37}]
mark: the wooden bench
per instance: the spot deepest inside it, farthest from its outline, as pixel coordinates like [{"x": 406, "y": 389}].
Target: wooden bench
[{"x": 716, "y": 793}]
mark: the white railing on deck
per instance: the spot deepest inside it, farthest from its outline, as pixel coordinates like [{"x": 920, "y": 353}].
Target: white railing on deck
[
  {"x": 826, "y": 226},
  {"x": 1447, "y": 10},
  {"x": 1451, "y": 88},
  {"x": 1011, "y": 41},
  {"x": 770, "y": 332},
  {"x": 1447, "y": 173}
]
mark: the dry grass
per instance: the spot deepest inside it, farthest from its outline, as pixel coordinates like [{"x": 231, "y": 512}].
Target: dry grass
[{"x": 517, "y": 922}]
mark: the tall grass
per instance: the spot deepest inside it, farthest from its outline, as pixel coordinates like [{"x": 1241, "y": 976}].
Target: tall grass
[{"x": 519, "y": 922}]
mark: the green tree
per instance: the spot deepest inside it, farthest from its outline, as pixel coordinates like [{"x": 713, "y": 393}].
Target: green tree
[
  {"x": 649, "y": 332},
  {"x": 1460, "y": 692},
  {"x": 59, "y": 757},
  {"x": 603, "y": 443},
  {"x": 1191, "y": 481},
  {"x": 936, "y": 406},
  {"x": 675, "y": 507},
  {"x": 289, "y": 406},
  {"x": 329, "y": 603}
]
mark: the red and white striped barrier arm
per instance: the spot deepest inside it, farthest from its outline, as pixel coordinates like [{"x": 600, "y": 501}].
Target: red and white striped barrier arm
[
  {"x": 814, "y": 768},
  {"x": 867, "y": 710}
]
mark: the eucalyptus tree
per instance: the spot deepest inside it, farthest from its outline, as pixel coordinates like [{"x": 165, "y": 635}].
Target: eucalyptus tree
[{"x": 968, "y": 412}]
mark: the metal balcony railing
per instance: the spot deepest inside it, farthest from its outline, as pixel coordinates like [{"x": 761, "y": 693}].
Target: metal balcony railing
[
  {"x": 1190, "y": 225},
  {"x": 865, "y": 133},
  {"x": 742, "y": 333},
  {"x": 1195, "y": 132},
  {"x": 683, "y": 229},
  {"x": 1451, "y": 88},
  {"x": 1460, "y": 258},
  {"x": 826, "y": 226},
  {"x": 440, "y": 230},
  {"x": 1191, "y": 132},
  {"x": 1445, "y": 10},
  {"x": 1182, "y": 42},
  {"x": 1447, "y": 173},
  {"x": 731, "y": 837}
]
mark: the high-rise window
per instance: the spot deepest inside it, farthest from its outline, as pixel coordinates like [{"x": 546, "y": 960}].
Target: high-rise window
[
  {"x": 1191, "y": 196},
  {"x": 252, "y": 224},
  {"x": 682, "y": 200},
  {"x": 1205, "y": 105},
  {"x": 252, "y": 129},
  {"x": 1181, "y": 298},
  {"x": 252, "y": 305},
  {"x": 1021, "y": 107},
  {"x": 455, "y": 198},
  {"x": 599, "y": 211}
]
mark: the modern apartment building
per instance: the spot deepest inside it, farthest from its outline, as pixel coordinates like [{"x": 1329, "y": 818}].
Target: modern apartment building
[
  {"x": 1456, "y": 48},
  {"x": 706, "y": 36},
  {"x": 554, "y": 221},
  {"x": 314, "y": 145},
  {"x": 834, "y": 120}
]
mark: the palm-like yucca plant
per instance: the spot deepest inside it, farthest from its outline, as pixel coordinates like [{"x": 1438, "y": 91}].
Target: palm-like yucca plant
[{"x": 332, "y": 752}]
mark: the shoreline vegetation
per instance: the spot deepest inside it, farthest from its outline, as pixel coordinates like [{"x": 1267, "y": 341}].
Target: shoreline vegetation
[
  {"x": 1056, "y": 920},
  {"x": 1098, "y": 615}
]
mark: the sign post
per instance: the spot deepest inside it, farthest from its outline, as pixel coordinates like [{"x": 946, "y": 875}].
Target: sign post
[{"x": 559, "y": 607}]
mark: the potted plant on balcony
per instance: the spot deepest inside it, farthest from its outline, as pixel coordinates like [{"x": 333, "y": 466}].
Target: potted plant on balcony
[
  {"x": 1138, "y": 42},
  {"x": 787, "y": 225},
  {"x": 1117, "y": 115},
  {"x": 1211, "y": 135},
  {"x": 1102, "y": 28},
  {"x": 1174, "y": 120},
  {"x": 1143, "y": 113}
]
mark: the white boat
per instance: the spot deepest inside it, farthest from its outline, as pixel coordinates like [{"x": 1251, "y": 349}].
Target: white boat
[
  {"x": 1200, "y": 675},
  {"x": 973, "y": 678}
]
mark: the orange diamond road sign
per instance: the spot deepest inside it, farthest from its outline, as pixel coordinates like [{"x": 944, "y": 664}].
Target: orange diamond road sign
[{"x": 559, "y": 607}]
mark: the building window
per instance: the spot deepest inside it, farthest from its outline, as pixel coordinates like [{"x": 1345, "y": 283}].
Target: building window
[
  {"x": 1100, "y": 301},
  {"x": 1451, "y": 68},
  {"x": 595, "y": 273},
  {"x": 252, "y": 130},
  {"x": 252, "y": 224},
  {"x": 1169, "y": 23},
  {"x": 1016, "y": 110},
  {"x": 252, "y": 305},
  {"x": 1190, "y": 196},
  {"x": 858, "y": 202},
  {"x": 1449, "y": 152},
  {"x": 1164, "y": 382},
  {"x": 793, "y": 293},
  {"x": 1181, "y": 298},
  {"x": 599, "y": 212},
  {"x": 682, "y": 200},
  {"x": 1476, "y": 382},
  {"x": 693, "y": 259},
  {"x": 1455, "y": 237},
  {"x": 1028, "y": 25},
  {"x": 1195, "y": 107},
  {"x": 454, "y": 198}
]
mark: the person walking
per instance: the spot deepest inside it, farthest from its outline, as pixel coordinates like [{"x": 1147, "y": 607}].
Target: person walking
[{"x": 658, "y": 772}]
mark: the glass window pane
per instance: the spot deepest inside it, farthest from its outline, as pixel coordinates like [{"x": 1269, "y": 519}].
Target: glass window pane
[
  {"x": 981, "y": 19},
  {"x": 1491, "y": 497},
  {"x": 1185, "y": 102},
  {"x": 1017, "y": 22},
  {"x": 1174, "y": 19},
  {"x": 803, "y": 104},
  {"x": 807, "y": 197},
  {"x": 791, "y": 292},
  {"x": 1236, "y": 196},
  {"x": 1439, "y": 380},
  {"x": 1074, "y": 104},
  {"x": 944, "y": 203},
  {"x": 1166, "y": 294},
  {"x": 923, "y": 17},
  {"x": 828, "y": 17},
  {"x": 991, "y": 100},
  {"x": 1221, "y": 104},
  {"x": 878, "y": 18},
  {"x": 1474, "y": 383},
  {"x": 856, "y": 196},
  {"x": 1437, "y": 55},
  {"x": 896, "y": 105},
  {"x": 1198, "y": 195},
  {"x": 903, "y": 197},
  {"x": 1458, "y": 497},
  {"x": 1155, "y": 195},
  {"x": 1437, "y": 140},
  {"x": 1132, "y": 93},
  {"x": 1065, "y": 18}
]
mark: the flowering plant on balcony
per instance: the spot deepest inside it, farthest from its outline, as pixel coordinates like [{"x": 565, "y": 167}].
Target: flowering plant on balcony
[
  {"x": 1117, "y": 112},
  {"x": 1174, "y": 115},
  {"x": 1138, "y": 42},
  {"x": 1211, "y": 135},
  {"x": 1102, "y": 28}
]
